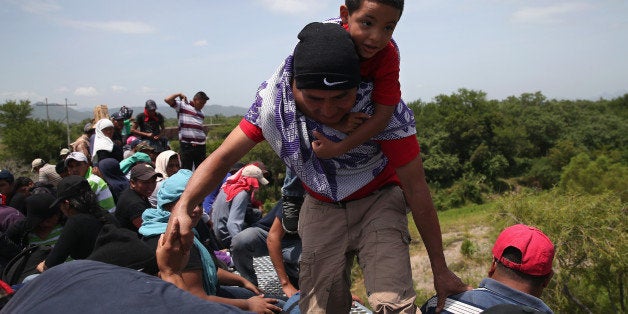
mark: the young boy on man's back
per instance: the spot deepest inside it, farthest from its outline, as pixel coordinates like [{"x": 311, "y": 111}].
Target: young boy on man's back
[{"x": 371, "y": 24}]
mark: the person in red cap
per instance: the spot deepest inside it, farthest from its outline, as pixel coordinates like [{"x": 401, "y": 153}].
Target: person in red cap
[{"x": 520, "y": 271}]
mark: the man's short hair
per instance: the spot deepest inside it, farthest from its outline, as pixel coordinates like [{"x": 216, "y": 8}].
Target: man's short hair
[
  {"x": 201, "y": 95},
  {"x": 354, "y": 5},
  {"x": 325, "y": 58}
]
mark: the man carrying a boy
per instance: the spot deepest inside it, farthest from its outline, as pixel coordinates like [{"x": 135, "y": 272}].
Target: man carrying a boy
[{"x": 355, "y": 205}]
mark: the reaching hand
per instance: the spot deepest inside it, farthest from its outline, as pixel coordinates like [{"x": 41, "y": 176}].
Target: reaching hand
[
  {"x": 250, "y": 286},
  {"x": 185, "y": 223},
  {"x": 447, "y": 284},
  {"x": 171, "y": 257},
  {"x": 325, "y": 148}
]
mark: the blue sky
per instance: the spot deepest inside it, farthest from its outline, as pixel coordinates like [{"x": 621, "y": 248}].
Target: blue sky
[{"x": 125, "y": 52}]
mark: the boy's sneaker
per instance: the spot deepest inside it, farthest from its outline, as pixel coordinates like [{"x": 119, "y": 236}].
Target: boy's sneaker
[{"x": 290, "y": 208}]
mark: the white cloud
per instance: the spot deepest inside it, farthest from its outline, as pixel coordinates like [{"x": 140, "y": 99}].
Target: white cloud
[
  {"x": 20, "y": 95},
  {"x": 39, "y": 6},
  {"x": 88, "y": 91},
  {"x": 548, "y": 14},
  {"x": 124, "y": 27},
  {"x": 200, "y": 43},
  {"x": 292, "y": 6},
  {"x": 118, "y": 88}
]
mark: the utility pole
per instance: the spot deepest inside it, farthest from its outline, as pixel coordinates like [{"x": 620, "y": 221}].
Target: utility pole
[
  {"x": 47, "y": 113},
  {"x": 67, "y": 120}
]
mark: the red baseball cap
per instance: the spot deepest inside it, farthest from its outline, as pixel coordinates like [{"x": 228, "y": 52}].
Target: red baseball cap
[{"x": 537, "y": 250}]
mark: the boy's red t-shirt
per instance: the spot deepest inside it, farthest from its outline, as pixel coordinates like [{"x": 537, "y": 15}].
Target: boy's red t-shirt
[{"x": 383, "y": 70}]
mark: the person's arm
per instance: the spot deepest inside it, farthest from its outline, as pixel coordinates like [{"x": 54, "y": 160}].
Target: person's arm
[
  {"x": 172, "y": 99},
  {"x": 206, "y": 177},
  {"x": 325, "y": 148},
  {"x": 418, "y": 198},
  {"x": 273, "y": 241},
  {"x": 231, "y": 279}
]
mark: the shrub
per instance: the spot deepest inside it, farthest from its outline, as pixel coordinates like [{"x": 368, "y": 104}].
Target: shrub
[{"x": 590, "y": 235}]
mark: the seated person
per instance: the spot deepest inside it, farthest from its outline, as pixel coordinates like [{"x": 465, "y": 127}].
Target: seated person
[
  {"x": 150, "y": 125},
  {"x": 78, "y": 165},
  {"x": 521, "y": 269},
  {"x": 167, "y": 163},
  {"x": 251, "y": 242},
  {"x": 233, "y": 211},
  {"x": 116, "y": 180},
  {"x": 43, "y": 223},
  {"x": 85, "y": 218},
  {"x": 104, "y": 147},
  {"x": 134, "y": 200},
  {"x": 200, "y": 276}
]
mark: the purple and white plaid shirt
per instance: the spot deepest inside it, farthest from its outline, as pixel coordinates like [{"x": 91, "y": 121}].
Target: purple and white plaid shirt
[{"x": 190, "y": 123}]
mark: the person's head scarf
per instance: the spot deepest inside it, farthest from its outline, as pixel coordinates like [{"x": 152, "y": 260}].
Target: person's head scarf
[
  {"x": 102, "y": 141},
  {"x": 161, "y": 163}
]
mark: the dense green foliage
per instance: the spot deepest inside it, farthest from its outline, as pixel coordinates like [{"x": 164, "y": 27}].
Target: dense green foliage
[{"x": 472, "y": 146}]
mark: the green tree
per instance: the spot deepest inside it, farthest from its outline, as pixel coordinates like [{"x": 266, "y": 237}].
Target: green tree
[
  {"x": 26, "y": 138},
  {"x": 598, "y": 176}
]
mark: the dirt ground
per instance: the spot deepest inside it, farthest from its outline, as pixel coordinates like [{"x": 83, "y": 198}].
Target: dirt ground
[{"x": 470, "y": 268}]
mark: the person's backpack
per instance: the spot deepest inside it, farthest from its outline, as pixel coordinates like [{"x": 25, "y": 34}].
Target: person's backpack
[{"x": 25, "y": 263}]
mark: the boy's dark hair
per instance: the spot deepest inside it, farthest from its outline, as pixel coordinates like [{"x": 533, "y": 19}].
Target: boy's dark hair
[
  {"x": 354, "y": 5},
  {"x": 514, "y": 255}
]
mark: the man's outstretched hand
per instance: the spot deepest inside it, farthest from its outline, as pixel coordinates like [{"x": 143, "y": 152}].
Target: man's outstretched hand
[{"x": 447, "y": 284}]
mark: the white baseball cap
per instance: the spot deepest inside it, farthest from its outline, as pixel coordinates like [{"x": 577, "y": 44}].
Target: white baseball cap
[{"x": 253, "y": 171}]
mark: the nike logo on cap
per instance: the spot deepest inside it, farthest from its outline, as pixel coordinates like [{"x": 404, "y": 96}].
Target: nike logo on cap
[{"x": 328, "y": 83}]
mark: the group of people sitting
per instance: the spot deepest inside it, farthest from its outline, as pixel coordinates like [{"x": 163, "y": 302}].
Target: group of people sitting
[{"x": 119, "y": 217}]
